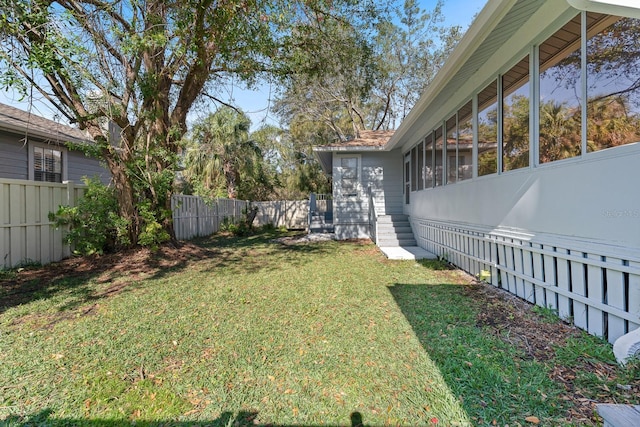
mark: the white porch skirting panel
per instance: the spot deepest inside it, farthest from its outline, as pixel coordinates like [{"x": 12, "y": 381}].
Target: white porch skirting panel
[{"x": 594, "y": 285}]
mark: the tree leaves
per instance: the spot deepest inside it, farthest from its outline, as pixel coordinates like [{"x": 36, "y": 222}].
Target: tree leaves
[{"x": 129, "y": 73}]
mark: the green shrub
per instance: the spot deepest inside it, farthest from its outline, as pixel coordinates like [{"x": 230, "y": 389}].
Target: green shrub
[
  {"x": 244, "y": 226},
  {"x": 94, "y": 225},
  {"x": 152, "y": 233}
]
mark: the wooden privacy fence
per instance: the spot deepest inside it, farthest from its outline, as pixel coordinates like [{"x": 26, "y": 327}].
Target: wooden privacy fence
[
  {"x": 292, "y": 214},
  {"x": 595, "y": 286},
  {"x": 195, "y": 217},
  {"x": 26, "y": 234}
]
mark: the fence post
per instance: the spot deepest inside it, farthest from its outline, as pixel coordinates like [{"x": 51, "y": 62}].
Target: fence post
[
  {"x": 198, "y": 201},
  {"x": 312, "y": 207},
  {"x": 71, "y": 200}
]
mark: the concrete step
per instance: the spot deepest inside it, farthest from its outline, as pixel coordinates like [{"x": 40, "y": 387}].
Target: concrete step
[
  {"x": 327, "y": 228},
  {"x": 387, "y": 219},
  {"x": 392, "y": 228},
  {"x": 391, "y": 242},
  {"x": 399, "y": 236},
  {"x": 395, "y": 230}
]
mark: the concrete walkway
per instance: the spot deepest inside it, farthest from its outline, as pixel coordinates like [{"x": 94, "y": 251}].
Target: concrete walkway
[{"x": 407, "y": 253}]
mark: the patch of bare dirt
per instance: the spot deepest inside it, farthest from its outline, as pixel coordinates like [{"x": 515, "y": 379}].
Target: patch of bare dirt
[
  {"x": 28, "y": 283},
  {"x": 514, "y": 321}
]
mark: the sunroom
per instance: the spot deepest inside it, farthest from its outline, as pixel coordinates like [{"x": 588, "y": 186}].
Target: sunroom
[{"x": 520, "y": 159}]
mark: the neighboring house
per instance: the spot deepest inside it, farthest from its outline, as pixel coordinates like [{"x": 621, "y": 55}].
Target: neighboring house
[
  {"x": 538, "y": 112},
  {"x": 33, "y": 148}
]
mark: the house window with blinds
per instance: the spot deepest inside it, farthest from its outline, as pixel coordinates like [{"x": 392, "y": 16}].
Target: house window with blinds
[{"x": 47, "y": 164}]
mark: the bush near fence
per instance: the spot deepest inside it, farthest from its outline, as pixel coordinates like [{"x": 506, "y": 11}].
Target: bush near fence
[{"x": 27, "y": 236}]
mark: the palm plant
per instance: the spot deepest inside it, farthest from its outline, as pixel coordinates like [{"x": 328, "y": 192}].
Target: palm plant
[
  {"x": 219, "y": 149},
  {"x": 559, "y": 132}
]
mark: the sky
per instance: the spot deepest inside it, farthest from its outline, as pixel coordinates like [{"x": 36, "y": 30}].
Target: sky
[{"x": 257, "y": 102}]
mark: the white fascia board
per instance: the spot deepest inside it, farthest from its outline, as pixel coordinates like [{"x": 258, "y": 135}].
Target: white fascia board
[
  {"x": 481, "y": 27},
  {"x": 334, "y": 149},
  {"x": 627, "y": 8}
]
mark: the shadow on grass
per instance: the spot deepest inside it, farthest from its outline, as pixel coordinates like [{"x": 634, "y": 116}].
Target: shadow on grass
[
  {"x": 86, "y": 280},
  {"x": 492, "y": 379},
  {"x": 241, "y": 419},
  {"x": 259, "y": 253}
]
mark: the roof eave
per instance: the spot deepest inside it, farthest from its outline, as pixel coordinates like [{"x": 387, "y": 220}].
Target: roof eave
[
  {"x": 627, "y": 8},
  {"x": 41, "y": 134},
  {"x": 488, "y": 18},
  {"x": 325, "y": 158},
  {"x": 349, "y": 148}
]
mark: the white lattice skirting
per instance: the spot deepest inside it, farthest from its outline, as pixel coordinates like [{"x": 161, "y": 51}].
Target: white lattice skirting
[{"x": 594, "y": 285}]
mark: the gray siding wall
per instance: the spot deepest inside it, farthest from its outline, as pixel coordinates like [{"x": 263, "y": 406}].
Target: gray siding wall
[
  {"x": 14, "y": 161},
  {"x": 380, "y": 171},
  {"x": 13, "y": 158},
  {"x": 80, "y": 166}
]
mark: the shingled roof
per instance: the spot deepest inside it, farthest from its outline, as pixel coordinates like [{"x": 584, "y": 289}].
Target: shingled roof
[
  {"x": 367, "y": 138},
  {"x": 16, "y": 120},
  {"x": 368, "y": 141}
]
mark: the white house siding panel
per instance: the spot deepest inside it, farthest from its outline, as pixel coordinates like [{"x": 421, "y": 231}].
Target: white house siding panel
[
  {"x": 380, "y": 173},
  {"x": 383, "y": 174},
  {"x": 80, "y": 166},
  {"x": 13, "y": 158}
]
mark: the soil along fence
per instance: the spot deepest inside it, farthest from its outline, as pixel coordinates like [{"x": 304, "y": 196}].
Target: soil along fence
[
  {"x": 26, "y": 234},
  {"x": 195, "y": 217},
  {"x": 291, "y": 214}
]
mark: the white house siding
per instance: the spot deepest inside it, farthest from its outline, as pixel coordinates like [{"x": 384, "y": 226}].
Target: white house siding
[
  {"x": 382, "y": 173},
  {"x": 81, "y": 166},
  {"x": 13, "y": 158},
  {"x": 594, "y": 199},
  {"x": 563, "y": 235}
]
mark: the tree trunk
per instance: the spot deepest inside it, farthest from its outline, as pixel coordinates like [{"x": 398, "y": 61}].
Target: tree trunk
[
  {"x": 230, "y": 175},
  {"x": 125, "y": 197}
]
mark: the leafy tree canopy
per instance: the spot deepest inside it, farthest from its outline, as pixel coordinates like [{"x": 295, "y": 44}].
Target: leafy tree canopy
[
  {"x": 129, "y": 72},
  {"x": 365, "y": 80}
]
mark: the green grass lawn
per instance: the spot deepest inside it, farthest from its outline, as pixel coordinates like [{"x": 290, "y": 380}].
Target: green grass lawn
[{"x": 270, "y": 334}]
